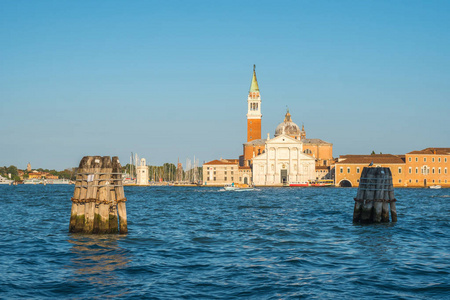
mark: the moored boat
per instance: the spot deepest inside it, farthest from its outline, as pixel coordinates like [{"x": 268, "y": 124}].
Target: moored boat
[
  {"x": 33, "y": 181},
  {"x": 299, "y": 184},
  {"x": 322, "y": 183},
  {"x": 238, "y": 187},
  {"x": 435, "y": 187}
]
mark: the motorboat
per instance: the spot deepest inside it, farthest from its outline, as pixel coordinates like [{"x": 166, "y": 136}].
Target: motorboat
[
  {"x": 435, "y": 187},
  {"x": 299, "y": 184},
  {"x": 238, "y": 187},
  {"x": 322, "y": 183}
]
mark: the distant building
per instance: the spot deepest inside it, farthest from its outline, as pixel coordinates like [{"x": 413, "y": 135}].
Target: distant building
[
  {"x": 41, "y": 175},
  {"x": 348, "y": 168},
  {"x": 283, "y": 162},
  {"x": 142, "y": 173},
  {"x": 292, "y": 157},
  {"x": 427, "y": 167},
  {"x": 29, "y": 167},
  {"x": 422, "y": 168},
  {"x": 221, "y": 172}
]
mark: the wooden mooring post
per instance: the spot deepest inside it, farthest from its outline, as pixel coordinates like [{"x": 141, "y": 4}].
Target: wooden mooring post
[
  {"x": 375, "y": 195},
  {"x": 98, "y": 196}
]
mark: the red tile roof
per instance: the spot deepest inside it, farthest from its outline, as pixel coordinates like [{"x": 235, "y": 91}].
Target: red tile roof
[
  {"x": 442, "y": 151},
  {"x": 375, "y": 158},
  {"x": 220, "y": 162}
]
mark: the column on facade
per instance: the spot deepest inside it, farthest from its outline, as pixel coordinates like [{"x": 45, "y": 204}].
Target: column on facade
[
  {"x": 275, "y": 165},
  {"x": 267, "y": 166},
  {"x": 290, "y": 165},
  {"x": 298, "y": 166}
]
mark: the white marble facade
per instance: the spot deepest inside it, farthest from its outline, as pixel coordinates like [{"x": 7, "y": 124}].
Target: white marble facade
[{"x": 283, "y": 162}]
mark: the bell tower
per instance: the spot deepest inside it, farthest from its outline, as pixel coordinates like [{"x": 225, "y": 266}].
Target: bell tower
[{"x": 254, "y": 110}]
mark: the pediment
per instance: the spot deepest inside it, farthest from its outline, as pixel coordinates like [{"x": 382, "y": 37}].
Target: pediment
[{"x": 283, "y": 139}]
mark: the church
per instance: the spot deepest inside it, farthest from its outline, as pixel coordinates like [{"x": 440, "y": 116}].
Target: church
[
  {"x": 289, "y": 156},
  {"x": 286, "y": 158}
]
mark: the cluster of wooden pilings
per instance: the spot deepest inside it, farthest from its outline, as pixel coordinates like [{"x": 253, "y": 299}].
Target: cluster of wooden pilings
[
  {"x": 375, "y": 197},
  {"x": 98, "y": 202}
]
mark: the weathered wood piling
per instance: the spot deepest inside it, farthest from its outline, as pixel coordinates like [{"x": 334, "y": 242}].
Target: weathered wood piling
[
  {"x": 98, "y": 197},
  {"x": 375, "y": 194}
]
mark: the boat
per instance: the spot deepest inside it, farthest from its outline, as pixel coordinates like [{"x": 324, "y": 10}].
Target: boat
[
  {"x": 238, "y": 187},
  {"x": 33, "y": 181},
  {"x": 435, "y": 187},
  {"x": 56, "y": 181},
  {"x": 299, "y": 184},
  {"x": 3, "y": 180},
  {"x": 322, "y": 183}
]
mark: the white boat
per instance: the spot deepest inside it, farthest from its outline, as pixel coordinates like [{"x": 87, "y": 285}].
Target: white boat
[
  {"x": 3, "y": 180},
  {"x": 238, "y": 187},
  {"x": 57, "y": 181},
  {"x": 33, "y": 181},
  {"x": 435, "y": 187}
]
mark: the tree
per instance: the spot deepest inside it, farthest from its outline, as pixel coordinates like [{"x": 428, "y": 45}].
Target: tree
[{"x": 13, "y": 171}]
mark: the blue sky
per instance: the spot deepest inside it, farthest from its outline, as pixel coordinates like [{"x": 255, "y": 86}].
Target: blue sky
[{"x": 169, "y": 79}]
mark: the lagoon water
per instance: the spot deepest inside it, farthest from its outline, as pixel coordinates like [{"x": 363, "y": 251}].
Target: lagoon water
[{"x": 202, "y": 243}]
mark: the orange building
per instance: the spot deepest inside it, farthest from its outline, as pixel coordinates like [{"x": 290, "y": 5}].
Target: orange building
[
  {"x": 422, "y": 168},
  {"x": 428, "y": 167},
  {"x": 348, "y": 168},
  {"x": 322, "y": 151}
]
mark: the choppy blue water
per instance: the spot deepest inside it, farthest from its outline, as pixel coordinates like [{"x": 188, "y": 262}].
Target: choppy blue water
[{"x": 202, "y": 243}]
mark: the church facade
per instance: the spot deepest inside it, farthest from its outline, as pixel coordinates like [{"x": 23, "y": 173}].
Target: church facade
[
  {"x": 283, "y": 162},
  {"x": 289, "y": 156}
]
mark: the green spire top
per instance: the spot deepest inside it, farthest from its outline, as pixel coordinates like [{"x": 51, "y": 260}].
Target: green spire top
[{"x": 254, "y": 87}]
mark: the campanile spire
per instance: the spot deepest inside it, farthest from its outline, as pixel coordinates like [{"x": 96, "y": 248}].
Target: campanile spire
[
  {"x": 254, "y": 110},
  {"x": 254, "y": 86}
]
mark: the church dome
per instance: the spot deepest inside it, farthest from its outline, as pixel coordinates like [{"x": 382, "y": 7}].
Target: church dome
[{"x": 288, "y": 127}]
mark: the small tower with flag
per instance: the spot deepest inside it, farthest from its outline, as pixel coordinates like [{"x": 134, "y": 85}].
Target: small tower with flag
[{"x": 254, "y": 110}]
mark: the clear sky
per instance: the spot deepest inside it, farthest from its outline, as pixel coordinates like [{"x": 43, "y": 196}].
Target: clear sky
[{"x": 169, "y": 79}]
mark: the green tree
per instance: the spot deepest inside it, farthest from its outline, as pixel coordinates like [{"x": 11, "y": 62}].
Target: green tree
[{"x": 13, "y": 171}]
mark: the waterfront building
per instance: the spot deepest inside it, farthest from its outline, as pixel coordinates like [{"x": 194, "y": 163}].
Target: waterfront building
[
  {"x": 294, "y": 139},
  {"x": 283, "y": 161},
  {"x": 348, "y": 168},
  {"x": 221, "y": 172},
  {"x": 142, "y": 172},
  {"x": 291, "y": 156},
  {"x": 421, "y": 168},
  {"x": 427, "y": 167}
]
